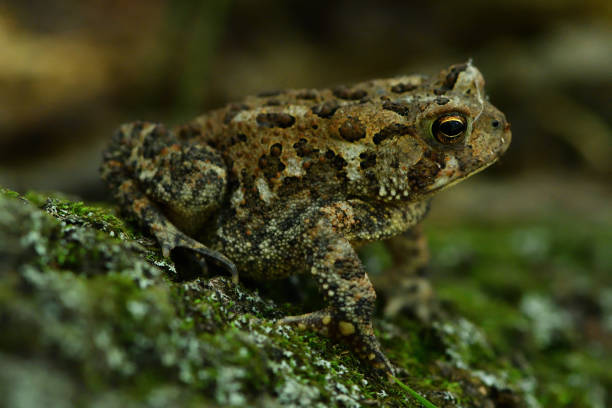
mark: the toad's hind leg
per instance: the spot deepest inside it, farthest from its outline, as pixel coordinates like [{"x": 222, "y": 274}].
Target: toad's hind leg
[
  {"x": 405, "y": 286},
  {"x": 171, "y": 186},
  {"x": 347, "y": 290}
]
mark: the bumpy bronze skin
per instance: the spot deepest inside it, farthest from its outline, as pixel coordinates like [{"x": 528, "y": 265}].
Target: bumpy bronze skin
[{"x": 292, "y": 181}]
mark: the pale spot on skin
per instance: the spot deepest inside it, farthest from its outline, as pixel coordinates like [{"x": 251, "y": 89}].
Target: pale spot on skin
[
  {"x": 296, "y": 110},
  {"x": 251, "y": 114},
  {"x": 147, "y": 174},
  {"x": 147, "y": 128},
  {"x": 346, "y": 328},
  {"x": 467, "y": 79},
  {"x": 237, "y": 197},
  {"x": 350, "y": 152},
  {"x": 265, "y": 193},
  {"x": 371, "y": 356},
  {"x": 294, "y": 168},
  {"x": 326, "y": 320},
  {"x": 302, "y": 326},
  {"x": 409, "y": 99}
]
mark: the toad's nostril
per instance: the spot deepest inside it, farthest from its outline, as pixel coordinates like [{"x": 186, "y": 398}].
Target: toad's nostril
[{"x": 495, "y": 123}]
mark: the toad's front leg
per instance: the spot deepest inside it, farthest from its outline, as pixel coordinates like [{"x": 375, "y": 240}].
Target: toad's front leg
[{"x": 347, "y": 290}]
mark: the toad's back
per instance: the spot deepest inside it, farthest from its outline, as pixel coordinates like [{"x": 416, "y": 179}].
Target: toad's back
[{"x": 344, "y": 141}]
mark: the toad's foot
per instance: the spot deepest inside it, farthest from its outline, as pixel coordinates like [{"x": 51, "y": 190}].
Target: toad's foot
[
  {"x": 360, "y": 336},
  {"x": 186, "y": 251}
]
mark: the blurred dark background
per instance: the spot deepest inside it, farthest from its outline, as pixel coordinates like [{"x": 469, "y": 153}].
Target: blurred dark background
[{"x": 72, "y": 71}]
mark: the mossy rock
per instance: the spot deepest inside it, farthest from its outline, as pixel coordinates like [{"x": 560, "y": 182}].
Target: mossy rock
[{"x": 91, "y": 314}]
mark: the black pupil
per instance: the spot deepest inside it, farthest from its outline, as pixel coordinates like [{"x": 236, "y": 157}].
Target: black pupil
[{"x": 452, "y": 127}]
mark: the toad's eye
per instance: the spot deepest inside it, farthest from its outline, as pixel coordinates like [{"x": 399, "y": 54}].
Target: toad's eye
[{"x": 449, "y": 129}]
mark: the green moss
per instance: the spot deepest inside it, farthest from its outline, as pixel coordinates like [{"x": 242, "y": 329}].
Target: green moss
[
  {"x": 9, "y": 193},
  {"x": 531, "y": 289},
  {"x": 81, "y": 297}
]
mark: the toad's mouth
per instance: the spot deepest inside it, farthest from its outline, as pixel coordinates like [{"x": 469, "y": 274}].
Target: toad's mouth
[{"x": 451, "y": 175}]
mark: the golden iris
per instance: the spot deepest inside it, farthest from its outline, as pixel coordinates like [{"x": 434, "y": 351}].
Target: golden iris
[{"x": 449, "y": 129}]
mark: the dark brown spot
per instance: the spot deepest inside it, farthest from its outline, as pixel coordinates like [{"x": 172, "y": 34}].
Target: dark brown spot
[
  {"x": 352, "y": 130},
  {"x": 270, "y": 166},
  {"x": 403, "y": 87},
  {"x": 240, "y": 137},
  {"x": 349, "y": 94},
  {"x": 290, "y": 186},
  {"x": 325, "y": 110},
  {"x": 262, "y": 162},
  {"x": 152, "y": 143},
  {"x": 271, "y": 92},
  {"x": 451, "y": 77},
  {"x": 276, "y": 149},
  {"x": 137, "y": 128},
  {"x": 232, "y": 111},
  {"x": 273, "y": 102},
  {"x": 367, "y": 160},
  {"x": 187, "y": 132},
  {"x": 495, "y": 123},
  {"x": 270, "y": 120},
  {"x": 302, "y": 148},
  {"x": 336, "y": 160},
  {"x": 441, "y": 100},
  {"x": 420, "y": 176},
  {"x": 308, "y": 94},
  {"x": 396, "y": 129},
  {"x": 423, "y": 173},
  {"x": 398, "y": 108},
  {"x": 372, "y": 180}
]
